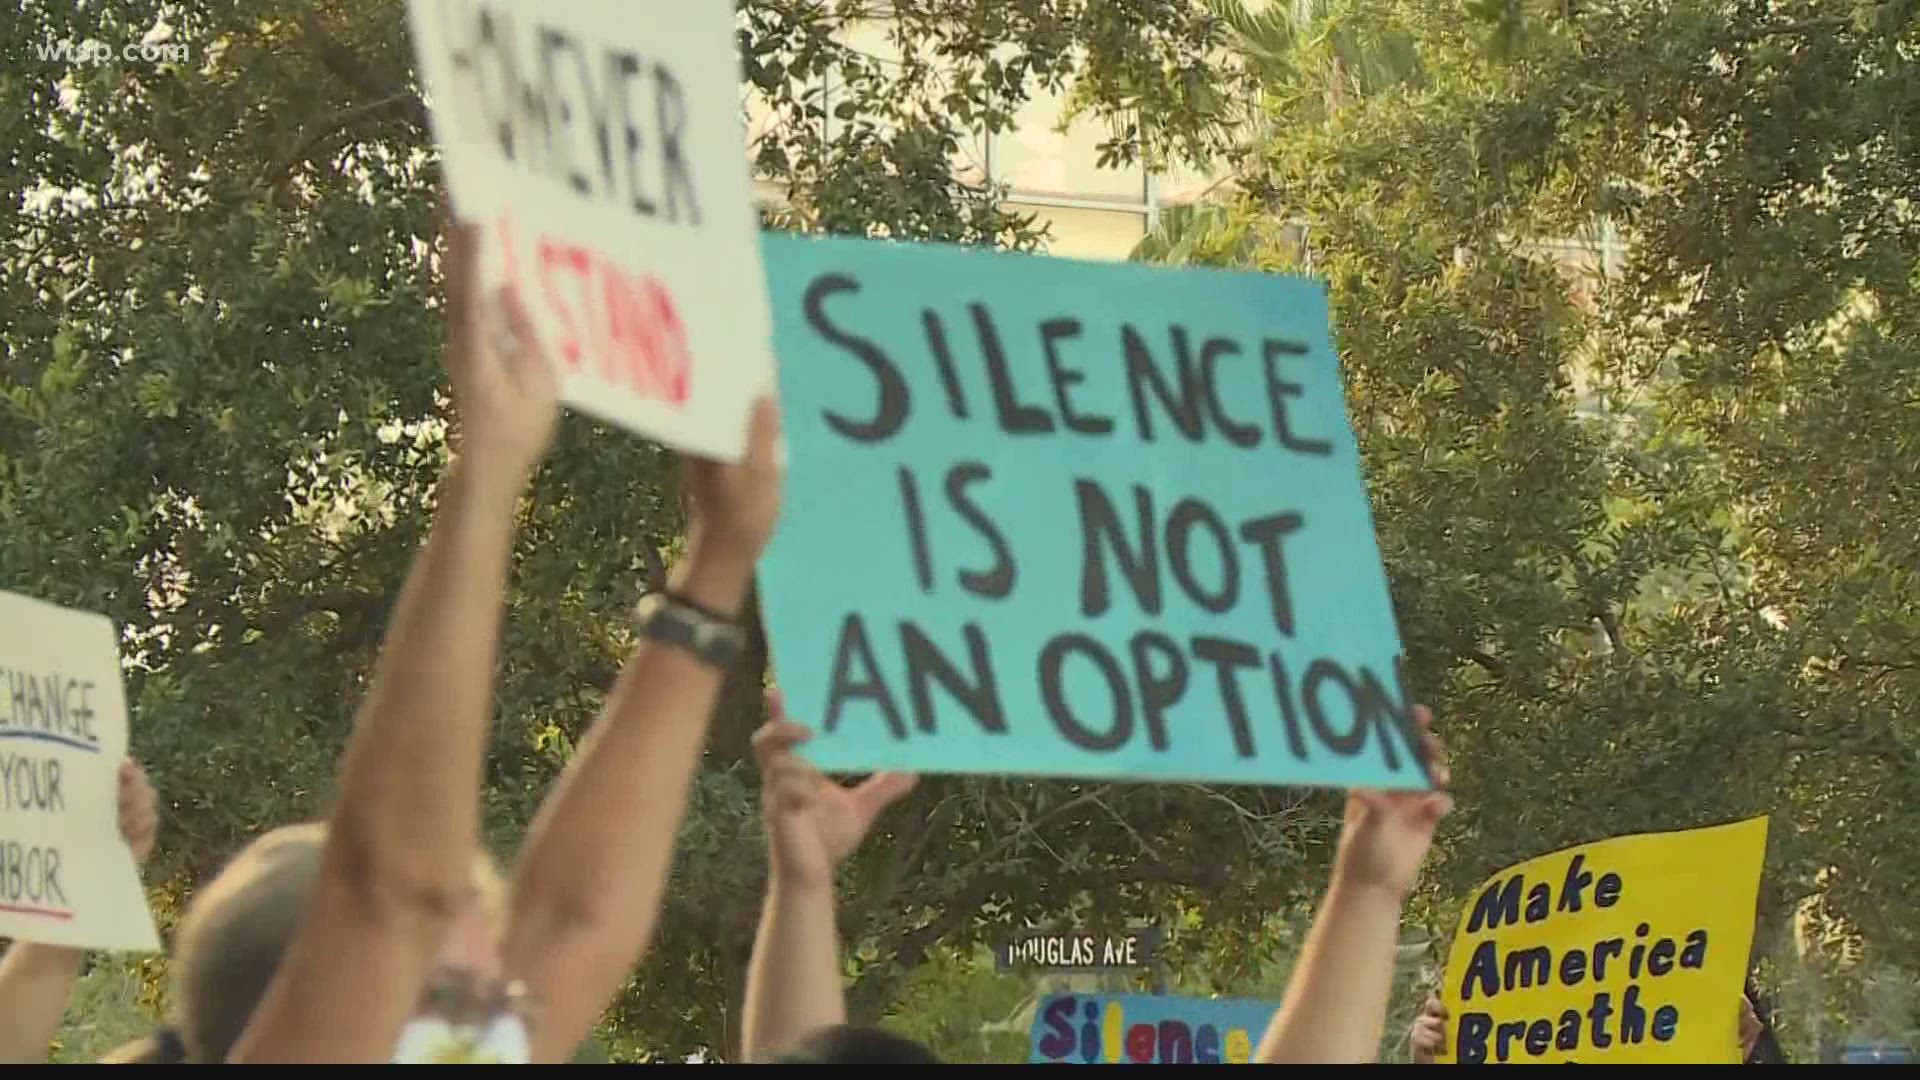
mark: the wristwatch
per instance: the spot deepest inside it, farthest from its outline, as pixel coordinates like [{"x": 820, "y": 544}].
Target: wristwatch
[{"x": 669, "y": 620}]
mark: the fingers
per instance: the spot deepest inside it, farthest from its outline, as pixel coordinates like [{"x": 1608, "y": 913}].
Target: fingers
[
  {"x": 881, "y": 790},
  {"x": 519, "y": 322},
  {"x": 518, "y": 348},
  {"x": 763, "y": 433},
  {"x": 787, "y": 783},
  {"x": 1434, "y": 1008},
  {"x": 463, "y": 254},
  {"x": 1432, "y": 751},
  {"x": 1375, "y": 802},
  {"x": 776, "y": 705},
  {"x": 138, "y": 815},
  {"x": 1429, "y": 1036},
  {"x": 790, "y": 786},
  {"x": 776, "y": 740}
]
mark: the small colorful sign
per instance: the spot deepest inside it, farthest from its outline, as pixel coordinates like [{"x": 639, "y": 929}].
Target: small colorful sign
[{"x": 1141, "y": 1029}]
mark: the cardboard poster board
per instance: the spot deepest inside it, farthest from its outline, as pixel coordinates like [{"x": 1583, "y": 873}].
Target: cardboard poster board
[
  {"x": 601, "y": 144},
  {"x": 1142, "y": 1029},
  {"x": 1061, "y": 518},
  {"x": 1627, "y": 951},
  {"x": 67, "y": 876}
]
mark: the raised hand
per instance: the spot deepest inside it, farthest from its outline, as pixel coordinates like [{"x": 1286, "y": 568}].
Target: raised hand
[
  {"x": 1336, "y": 1005},
  {"x": 735, "y": 506},
  {"x": 139, "y": 818},
  {"x": 1429, "y": 1035},
  {"x": 1387, "y": 833},
  {"x": 813, "y": 822},
  {"x": 504, "y": 387}
]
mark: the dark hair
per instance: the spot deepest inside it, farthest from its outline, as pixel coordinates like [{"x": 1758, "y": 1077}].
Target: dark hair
[
  {"x": 1766, "y": 1049},
  {"x": 848, "y": 1045},
  {"x": 237, "y": 931},
  {"x": 234, "y": 935}
]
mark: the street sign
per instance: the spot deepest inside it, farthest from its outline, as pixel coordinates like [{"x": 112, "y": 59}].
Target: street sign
[{"x": 1079, "y": 951}]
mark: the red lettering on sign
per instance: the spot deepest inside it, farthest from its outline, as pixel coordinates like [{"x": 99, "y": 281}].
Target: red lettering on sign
[
  {"x": 628, "y": 322},
  {"x": 556, "y": 261}
]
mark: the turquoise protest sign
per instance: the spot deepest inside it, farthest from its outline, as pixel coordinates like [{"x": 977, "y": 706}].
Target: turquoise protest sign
[
  {"x": 1137, "y": 1029},
  {"x": 1074, "y": 519}
]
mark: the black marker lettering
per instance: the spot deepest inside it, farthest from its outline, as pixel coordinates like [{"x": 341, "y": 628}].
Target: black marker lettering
[
  {"x": 1182, "y": 406},
  {"x": 1229, "y": 658},
  {"x": 916, "y": 531},
  {"x": 1139, "y": 564},
  {"x": 1016, "y": 417},
  {"x": 670, "y": 113},
  {"x": 1279, "y": 391},
  {"x": 1289, "y": 714},
  {"x": 1052, "y": 333},
  {"x": 1349, "y": 742},
  {"x": 998, "y": 582},
  {"x": 926, "y": 665},
  {"x": 1053, "y": 658},
  {"x": 1161, "y": 684},
  {"x": 943, "y": 359},
  {"x": 552, "y": 42},
  {"x": 1187, "y": 515},
  {"x": 1210, "y": 353},
  {"x": 846, "y": 685},
  {"x": 891, "y": 404},
  {"x": 1267, "y": 532},
  {"x": 626, "y": 74}
]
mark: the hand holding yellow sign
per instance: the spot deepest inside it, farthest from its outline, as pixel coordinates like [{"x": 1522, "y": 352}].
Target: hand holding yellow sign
[{"x": 1624, "y": 951}]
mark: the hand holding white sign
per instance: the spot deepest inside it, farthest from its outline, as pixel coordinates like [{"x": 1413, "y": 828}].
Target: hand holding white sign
[
  {"x": 67, "y": 874},
  {"x": 600, "y": 143},
  {"x": 138, "y": 810}
]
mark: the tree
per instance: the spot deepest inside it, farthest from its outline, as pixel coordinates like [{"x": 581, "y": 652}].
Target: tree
[{"x": 1655, "y": 556}]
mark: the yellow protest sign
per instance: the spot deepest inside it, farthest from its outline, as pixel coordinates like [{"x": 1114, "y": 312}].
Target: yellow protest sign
[{"x": 1626, "y": 951}]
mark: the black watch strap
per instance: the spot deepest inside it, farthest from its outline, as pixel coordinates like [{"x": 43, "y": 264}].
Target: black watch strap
[{"x": 667, "y": 619}]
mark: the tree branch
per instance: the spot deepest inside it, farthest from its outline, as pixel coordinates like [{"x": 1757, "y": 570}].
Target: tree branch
[
  {"x": 1610, "y": 624},
  {"x": 345, "y": 64},
  {"x": 1487, "y": 662},
  {"x": 280, "y": 170},
  {"x": 1799, "y": 28}
]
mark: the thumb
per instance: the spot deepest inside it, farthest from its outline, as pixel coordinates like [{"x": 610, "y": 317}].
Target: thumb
[
  {"x": 881, "y": 790},
  {"x": 763, "y": 432}
]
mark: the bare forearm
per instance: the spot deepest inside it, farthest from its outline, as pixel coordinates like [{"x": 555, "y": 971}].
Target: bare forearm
[
  {"x": 399, "y": 855},
  {"x": 588, "y": 889},
  {"x": 793, "y": 982},
  {"x": 35, "y": 983},
  {"x": 409, "y": 788},
  {"x": 1335, "y": 1008}
]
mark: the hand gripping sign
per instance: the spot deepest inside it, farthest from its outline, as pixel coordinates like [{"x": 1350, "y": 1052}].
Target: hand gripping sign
[
  {"x": 600, "y": 143},
  {"x": 67, "y": 876}
]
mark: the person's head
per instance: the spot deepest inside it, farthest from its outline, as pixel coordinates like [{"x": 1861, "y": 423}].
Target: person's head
[
  {"x": 845, "y": 1044},
  {"x": 238, "y": 928}
]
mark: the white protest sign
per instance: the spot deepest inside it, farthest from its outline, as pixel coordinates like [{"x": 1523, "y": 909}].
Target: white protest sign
[
  {"x": 600, "y": 143},
  {"x": 67, "y": 877}
]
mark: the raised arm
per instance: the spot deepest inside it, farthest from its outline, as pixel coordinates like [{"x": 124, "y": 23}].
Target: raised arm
[
  {"x": 794, "y": 980},
  {"x": 1335, "y": 1009},
  {"x": 37, "y": 980},
  {"x": 398, "y": 862},
  {"x": 589, "y": 885}
]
